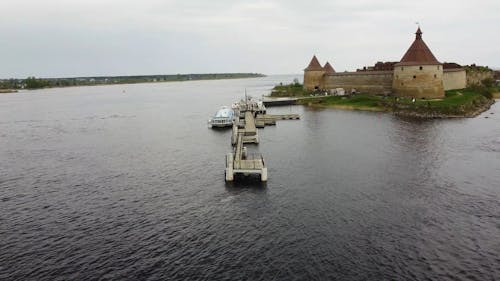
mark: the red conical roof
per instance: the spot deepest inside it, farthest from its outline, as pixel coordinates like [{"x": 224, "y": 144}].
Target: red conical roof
[
  {"x": 418, "y": 53},
  {"x": 314, "y": 65},
  {"x": 328, "y": 68}
]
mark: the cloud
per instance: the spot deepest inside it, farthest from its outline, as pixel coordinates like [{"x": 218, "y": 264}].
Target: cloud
[{"x": 73, "y": 38}]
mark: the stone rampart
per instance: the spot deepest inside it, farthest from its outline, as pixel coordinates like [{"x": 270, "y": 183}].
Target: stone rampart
[
  {"x": 369, "y": 82},
  {"x": 475, "y": 77},
  {"x": 454, "y": 78}
]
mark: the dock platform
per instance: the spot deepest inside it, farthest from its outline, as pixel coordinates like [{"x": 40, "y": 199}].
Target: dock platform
[
  {"x": 263, "y": 120},
  {"x": 251, "y": 116},
  {"x": 268, "y": 102},
  {"x": 247, "y": 127},
  {"x": 240, "y": 162}
]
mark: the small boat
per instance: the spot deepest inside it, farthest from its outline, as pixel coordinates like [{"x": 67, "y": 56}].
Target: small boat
[{"x": 224, "y": 117}]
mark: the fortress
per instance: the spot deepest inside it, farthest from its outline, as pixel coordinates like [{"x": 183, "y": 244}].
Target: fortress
[{"x": 419, "y": 74}]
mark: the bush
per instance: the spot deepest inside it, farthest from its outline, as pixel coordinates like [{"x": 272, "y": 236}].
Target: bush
[
  {"x": 481, "y": 89},
  {"x": 488, "y": 82},
  {"x": 290, "y": 90},
  {"x": 487, "y": 94}
]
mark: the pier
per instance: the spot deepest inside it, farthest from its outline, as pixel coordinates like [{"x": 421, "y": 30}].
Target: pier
[
  {"x": 247, "y": 128},
  {"x": 240, "y": 162},
  {"x": 263, "y": 120},
  {"x": 279, "y": 101},
  {"x": 250, "y": 117}
]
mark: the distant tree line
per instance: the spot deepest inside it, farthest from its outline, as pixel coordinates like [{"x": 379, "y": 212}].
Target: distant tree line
[
  {"x": 10, "y": 84},
  {"x": 38, "y": 83},
  {"x": 34, "y": 83}
]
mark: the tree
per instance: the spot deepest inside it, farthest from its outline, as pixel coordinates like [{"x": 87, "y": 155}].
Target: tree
[{"x": 34, "y": 83}]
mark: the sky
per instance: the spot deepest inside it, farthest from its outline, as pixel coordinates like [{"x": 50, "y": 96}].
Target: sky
[{"x": 70, "y": 38}]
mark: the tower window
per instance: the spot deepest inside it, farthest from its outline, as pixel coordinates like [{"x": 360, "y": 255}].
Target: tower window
[
  {"x": 402, "y": 83},
  {"x": 421, "y": 68},
  {"x": 414, "y": 76},
  {"x": 435, "y": 76},
  {"x": 402, "y": 68}
]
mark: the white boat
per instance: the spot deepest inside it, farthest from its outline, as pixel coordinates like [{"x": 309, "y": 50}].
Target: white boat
[
  {"x": 250, "y": 103},
  {"x": 224, "y": 117}
]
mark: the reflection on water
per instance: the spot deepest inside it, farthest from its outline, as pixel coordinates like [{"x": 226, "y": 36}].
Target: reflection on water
[{"x": 98, "y": 183}]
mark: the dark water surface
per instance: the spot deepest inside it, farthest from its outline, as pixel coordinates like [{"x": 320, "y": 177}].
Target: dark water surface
[{"x": 98, "y": 183}]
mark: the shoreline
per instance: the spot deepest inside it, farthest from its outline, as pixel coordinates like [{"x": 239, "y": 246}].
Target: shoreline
[
  {"x": 432, "y": 115},
  {"x": 469, "y": 105},
  {"x": 8, "y": 91},
  {"x": 410, "y": 114},
  {"x": 348, "y": 107},
  {"x": 250, "y": 76}
]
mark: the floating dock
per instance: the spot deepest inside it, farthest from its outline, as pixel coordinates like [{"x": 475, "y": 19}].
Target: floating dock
[
  {"x": 251, "y": 116},
  {"x": 279, "y": 101},
  {"x": 240, "y": 162},
  {"x": 247, "y": 128},
  {"x": 263, "y": 120}
]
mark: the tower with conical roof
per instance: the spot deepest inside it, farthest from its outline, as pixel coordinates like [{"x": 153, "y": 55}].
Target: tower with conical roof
[
  {"x": 328, "y": 68},
  {"x": 419, "y": 74},
  {"x": 313, "y": 75}
]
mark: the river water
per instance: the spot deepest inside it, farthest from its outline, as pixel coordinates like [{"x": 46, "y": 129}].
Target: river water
[{"x": 127, "y": 182}]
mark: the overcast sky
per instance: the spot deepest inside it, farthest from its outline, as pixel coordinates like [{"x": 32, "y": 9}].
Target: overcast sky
[{"x": 64, "y": 38}]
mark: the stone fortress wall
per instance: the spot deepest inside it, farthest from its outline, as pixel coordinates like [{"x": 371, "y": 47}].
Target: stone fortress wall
[
  {"x": 454, "y": 78},
  {"x": 373, "y": 82},
  {"x": 418, "y": 74},
  {"x": 378, "y": 82},
  {"x": 475, "y": 77}
]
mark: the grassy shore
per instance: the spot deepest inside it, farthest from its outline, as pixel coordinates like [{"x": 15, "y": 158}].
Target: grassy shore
[
  {"x": 290, "y": 90},
  {"x": 457, "y": 103},
  {"x": 355, "y": 102}
]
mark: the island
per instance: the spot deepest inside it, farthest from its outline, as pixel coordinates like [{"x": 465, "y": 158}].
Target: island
[
  {"x": 417, "y": 85},
  {"x": 467, "y": 102}
]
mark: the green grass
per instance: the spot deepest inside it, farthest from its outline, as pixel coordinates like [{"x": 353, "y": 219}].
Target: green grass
[
  {"x": 290, "y": 90},
  {"x": 357, "y": 101},
  {"x": 455, "y": 103},
  {"x": 452, "y": 98}
]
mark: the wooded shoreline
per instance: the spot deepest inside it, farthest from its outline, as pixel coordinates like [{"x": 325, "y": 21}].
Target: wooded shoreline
[{"x": 40, "y": 83}]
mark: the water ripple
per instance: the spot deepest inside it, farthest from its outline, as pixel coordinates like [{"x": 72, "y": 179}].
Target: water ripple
[{"x": 114, "y": 187}]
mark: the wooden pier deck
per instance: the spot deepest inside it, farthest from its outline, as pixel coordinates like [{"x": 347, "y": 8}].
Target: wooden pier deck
[
  {"x": 247, "y": 127},
  {"x": 279, "y": 101},
  {"x": 274, "y": 117},
  {"x": 263, "y": 120},
  {"x": 240, "y": 162},
  {"x": 250, "y": 117},
  {"x": 250, "y": 129}
]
